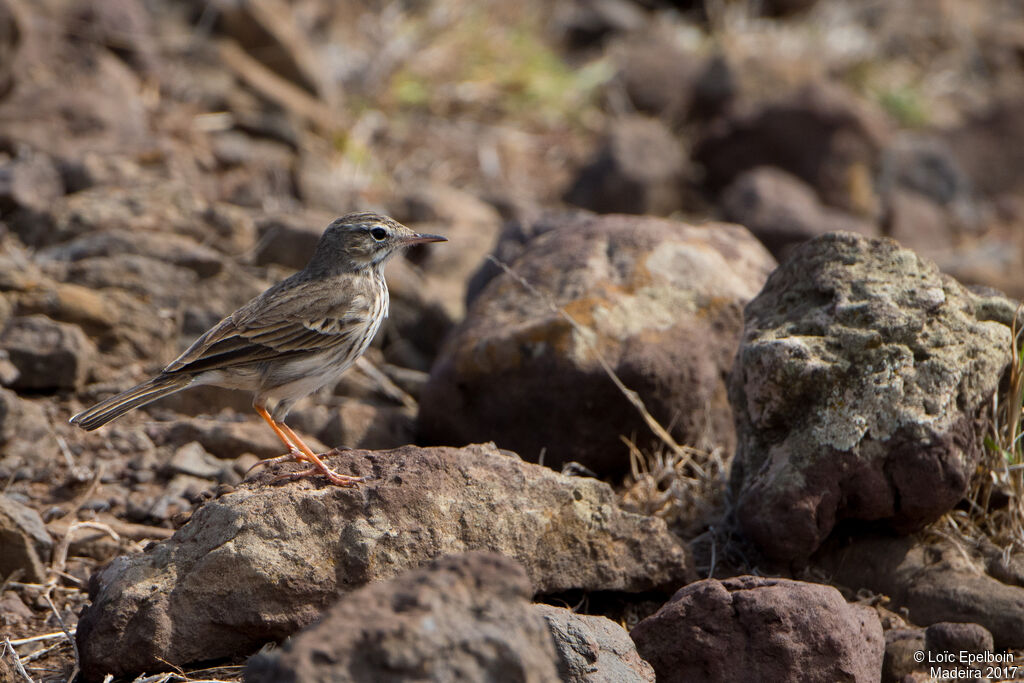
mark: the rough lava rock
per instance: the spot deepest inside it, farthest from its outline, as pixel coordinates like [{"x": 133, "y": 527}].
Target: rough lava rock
[
  {"x": 263, "y": 561},
  {"x": 935, "y": 582},
  {"x": 856, "y": 389},
  {"x": 821, "y": 133},
  {"x": 761, "y": 629},
  {"x": 460, "y": 618},
  {"x": 639, "y": 169},
  {"x": 783, "y": 211},
  {"x": 24, "y": 543},
  {"x": 49, "y": 355},
  {"x": 661, "y": 300},
  {"x": 594, "y": 649}
]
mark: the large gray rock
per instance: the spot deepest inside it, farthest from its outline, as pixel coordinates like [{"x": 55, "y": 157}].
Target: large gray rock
[
  {"x": 263, "y": 561},
  {"x": 761, "y": 629},
  {"x": 593, "y": 649},
  {"x": 660, "y": 299},
  {"x": 24, "y": 543},
  {"x": 460, "y": 618},
  {"x": 856, "y": 388},
  {"x": 49, "y": 355}
]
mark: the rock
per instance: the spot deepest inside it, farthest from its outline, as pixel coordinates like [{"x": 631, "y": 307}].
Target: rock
[
  {"x": 176, "y": 249},
  {"x": 822, "y": 134},
  {"x": 948, "y": 636},
  {"x": 588, "y": 23},
  {"x": 145, "y": 276},
  {"x": 786, "y": 8},
  {"x": 926, "y": 166},
  {"x": 289, "y": 239},
  {"x": 659, "y": 78},
  {"x": 21, "y": 419},
  {"x": 462, "y": 617},
  {"x": 295, "y": 546},
  {"x": 661, "y": 300},
  {"x": 466, "y": 221},
  {"x": 901, "y": 646},
  {"x": 83, "y": 99},
  {"x": 934, "y": 582},
  {"x": 226, "y": 440},
  {"x": 359, "y": 424},
  {"x": 593, "y": 648},
  {"x": 10, "y": 40},
  {"x": 856, "y": 388},
  {"x": 30, "y": 182},
  {"x": 193, "y": 459},
  {"x": 768, "y": 629},
  {"x": 123, "y": 26},
  {"x": 73, "y": 304},
  {"x": 639, "y": 169},
  {"x": 273, "y": 34},
  {"x": 49, "y": 355},
  {"x": 918, "y": 223},
  {"x": 24, "y": 543},
  {"x": 783, "y": 211},
  {"x": 12, "y": 611},
  {"x": 997, "y": 132}
]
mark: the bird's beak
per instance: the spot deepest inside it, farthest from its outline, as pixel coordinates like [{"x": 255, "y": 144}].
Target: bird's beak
[{"x": 422, "y": 238}]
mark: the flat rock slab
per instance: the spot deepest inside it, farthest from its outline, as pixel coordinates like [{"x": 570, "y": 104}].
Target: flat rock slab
[
  {"x": 460, "y": 618},
  {"x": 262, "y": 562}
]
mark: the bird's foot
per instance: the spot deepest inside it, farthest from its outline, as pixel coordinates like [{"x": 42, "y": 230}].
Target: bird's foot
[
  {"x": 335, "y": 478},
  {"x": 317, "y": 466},
  {"x": 295, "y": 454}
]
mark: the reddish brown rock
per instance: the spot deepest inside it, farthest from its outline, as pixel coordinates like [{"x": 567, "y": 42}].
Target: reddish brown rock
[
  {"x": 761, "y": 629},
  {"x": 822, "y": 134},
  {"x": 24, "y": 543},
  {"x": 783, "y": 211},
  {"x": 639, "y": 169},
  {"x": 934, "y": 582},
  {"x": 48, "y": 355},
  {"x": 462, "y": 617},
  {"x": 659, "y": 299},
  {"x": 292, "y": 548}
]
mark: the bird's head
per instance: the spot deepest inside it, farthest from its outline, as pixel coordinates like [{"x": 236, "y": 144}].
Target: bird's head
[{"x": 364, "y": 240}]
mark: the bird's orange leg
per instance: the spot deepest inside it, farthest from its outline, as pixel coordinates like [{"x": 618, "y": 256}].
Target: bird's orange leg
[
  {"x": 300, "y": 452},
  {"x": 318, "y": 465},
  {"x": 293, "y": 451}
]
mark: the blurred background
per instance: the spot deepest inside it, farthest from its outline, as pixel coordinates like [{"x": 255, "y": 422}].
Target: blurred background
[{"x": 791, "y": 116}]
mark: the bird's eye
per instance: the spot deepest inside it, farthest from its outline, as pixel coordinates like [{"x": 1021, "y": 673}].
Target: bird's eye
[{"x": 378, "y": 234}]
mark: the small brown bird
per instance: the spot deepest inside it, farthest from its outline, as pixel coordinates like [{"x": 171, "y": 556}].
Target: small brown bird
[{"x": 296, "y": 337}]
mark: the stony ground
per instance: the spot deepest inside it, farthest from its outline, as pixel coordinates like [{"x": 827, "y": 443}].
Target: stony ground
[{"x": 810, "y": 433}]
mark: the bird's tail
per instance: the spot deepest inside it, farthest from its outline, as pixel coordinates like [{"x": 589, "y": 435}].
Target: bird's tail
[{"x": 116, "y": 406}]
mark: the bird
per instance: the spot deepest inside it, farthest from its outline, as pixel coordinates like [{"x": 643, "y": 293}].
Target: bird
[{"x": 296, "y": 337}]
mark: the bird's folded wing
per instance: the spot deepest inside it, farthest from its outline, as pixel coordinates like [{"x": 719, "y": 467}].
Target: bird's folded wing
[{"x": 228, "y": 344}]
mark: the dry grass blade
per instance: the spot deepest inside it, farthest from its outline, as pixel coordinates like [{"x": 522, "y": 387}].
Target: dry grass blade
[
  {"x": 996, "y": 498},
  {"x": 39, "y": 639},
  {"x": 587, "y": 336},
  {"x": 18, "y": 666},
  {"x": 60, "y": 551}
]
